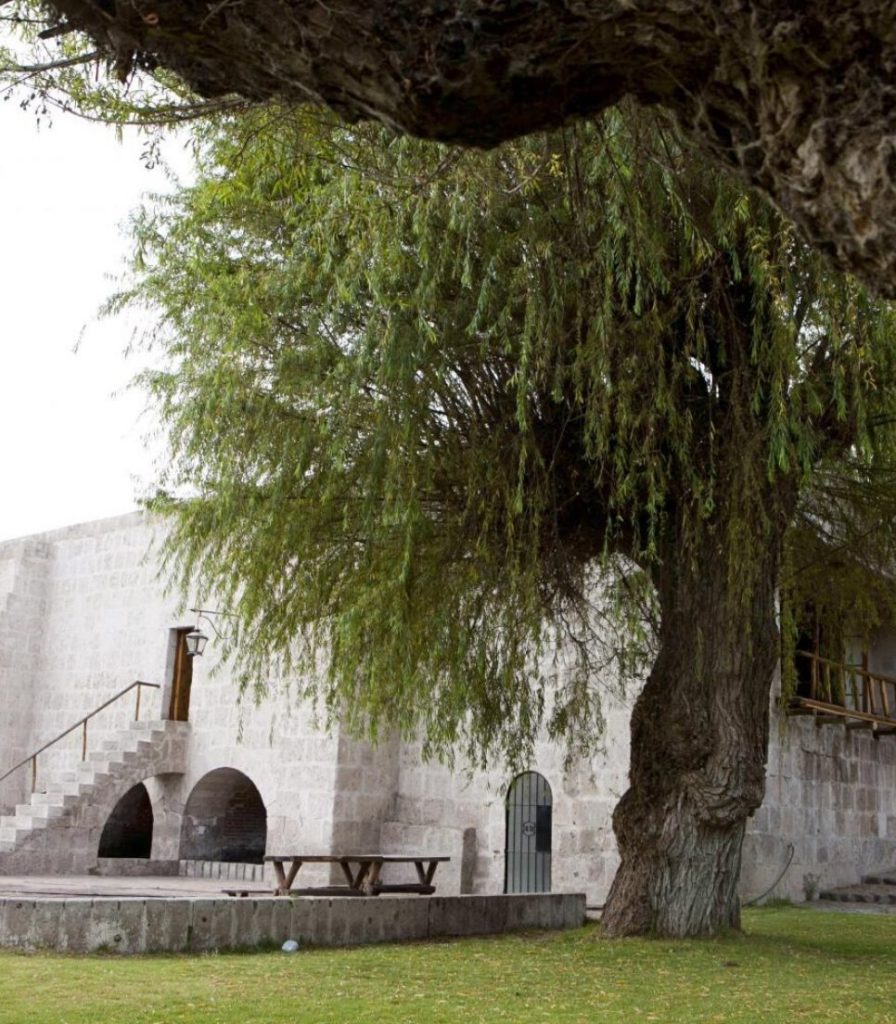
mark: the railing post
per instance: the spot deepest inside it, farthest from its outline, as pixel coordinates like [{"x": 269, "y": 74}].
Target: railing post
[
  {"x": 137, "y": 712},
  {"x": 866, "y": 677},
  {"x": 34, "y": 773},
  {"x": 84, "y": 742}
]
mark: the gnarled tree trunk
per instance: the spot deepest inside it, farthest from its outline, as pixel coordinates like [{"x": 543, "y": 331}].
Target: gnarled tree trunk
[{"x": 699, "y": 744}]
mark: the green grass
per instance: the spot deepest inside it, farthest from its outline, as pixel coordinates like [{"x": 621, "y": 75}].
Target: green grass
[{"x": 790, "y": 965}]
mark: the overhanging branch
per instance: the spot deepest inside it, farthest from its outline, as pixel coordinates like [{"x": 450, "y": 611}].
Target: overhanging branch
[{"x": 800, "y": 99}]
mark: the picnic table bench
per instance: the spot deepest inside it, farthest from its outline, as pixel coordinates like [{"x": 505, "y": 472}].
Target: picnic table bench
[{"x": 361, "y": 870}]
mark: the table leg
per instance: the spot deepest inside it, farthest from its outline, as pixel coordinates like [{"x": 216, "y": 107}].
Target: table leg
[
  {"x": 358, "y": 879},
  {"x": 373, "y": 877},
  {"x": 291, "y": 875},
  {"x": 425, "y": 875},
  {"x": 285, "y": 879},
  {"x": 282, "y": 888}
]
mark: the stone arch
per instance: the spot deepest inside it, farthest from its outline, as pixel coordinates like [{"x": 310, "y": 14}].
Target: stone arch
[
  {"x": 225, "y": 819},
  {"x": 128, "y": 829},
  {"x": 527, "y": 854}
]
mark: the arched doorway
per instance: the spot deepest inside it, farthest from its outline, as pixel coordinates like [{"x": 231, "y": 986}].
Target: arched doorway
[
  {"x": 224, "y": 820},
  {"x": 128, "y": 830},
  {"x": 527, "y": 855}
]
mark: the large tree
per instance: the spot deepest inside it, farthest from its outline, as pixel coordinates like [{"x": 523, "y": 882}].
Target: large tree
[
  {"x": 434, "y": 415},
  {"x": 798, "y": 97}
]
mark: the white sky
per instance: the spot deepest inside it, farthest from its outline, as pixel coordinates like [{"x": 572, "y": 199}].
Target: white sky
[{"x": 70, "y": 447}]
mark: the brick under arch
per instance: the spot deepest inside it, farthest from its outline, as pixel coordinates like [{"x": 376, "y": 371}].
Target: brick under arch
[
  {"x": 128, "y": 829},
  {"x": 224, "y": 819}
]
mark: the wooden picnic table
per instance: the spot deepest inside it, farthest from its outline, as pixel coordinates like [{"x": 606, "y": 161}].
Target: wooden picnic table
[{"x": 361, "y": 870}]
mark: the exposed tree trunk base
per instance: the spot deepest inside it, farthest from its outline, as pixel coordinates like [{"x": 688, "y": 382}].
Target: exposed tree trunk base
[
  {"x": 690, "y": 891},
  {"x": 699, "y": 747},
  {"x": 800, "y": 98}
]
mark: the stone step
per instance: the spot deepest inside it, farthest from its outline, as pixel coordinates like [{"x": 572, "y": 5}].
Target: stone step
[
  {"x": 29, "y": 826},
  {"x": 885, "y": 877},
  {"x": 21, "y": 827},
  {"x": 144, "y": 741},
  {"x": 860, "y": 894},
  {"x": 57, "y": 799},
  {"x": 100, "y": 757},
  {"x": 37, "y": 812},
  {"x": 10, "y": 836},
  {"x": 130, "y": 749},
  {"x": 89, "y": 782},
  {"x": 61, "y": 779}
]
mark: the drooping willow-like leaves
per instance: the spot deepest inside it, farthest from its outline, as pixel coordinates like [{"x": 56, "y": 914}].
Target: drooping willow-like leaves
[{"x": 435, "y": 417}]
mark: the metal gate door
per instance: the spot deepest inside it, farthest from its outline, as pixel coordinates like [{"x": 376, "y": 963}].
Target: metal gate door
[{"x": 527, "y": 857}]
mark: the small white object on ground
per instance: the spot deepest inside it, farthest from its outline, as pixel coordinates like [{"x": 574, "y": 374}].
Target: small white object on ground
[{"x": 290, "y": 946}]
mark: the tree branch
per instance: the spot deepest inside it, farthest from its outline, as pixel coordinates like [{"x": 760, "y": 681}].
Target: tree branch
[{"x": 800, "y": 99}]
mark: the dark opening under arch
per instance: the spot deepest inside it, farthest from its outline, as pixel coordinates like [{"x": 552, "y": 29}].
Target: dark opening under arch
[
  {"x": 224, "y": 820},
  {"x": 128, "y": 830},
  {"x": 527, "y": 855}
]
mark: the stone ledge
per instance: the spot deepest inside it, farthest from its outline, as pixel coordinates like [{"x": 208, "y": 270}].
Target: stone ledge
[{"x": 139, "y": 925}]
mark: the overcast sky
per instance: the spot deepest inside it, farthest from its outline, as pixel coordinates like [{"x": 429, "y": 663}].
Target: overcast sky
[{"x": 70, "y": 440}]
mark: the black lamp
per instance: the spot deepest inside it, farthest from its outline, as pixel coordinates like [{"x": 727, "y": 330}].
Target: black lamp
[{"x": 196, "y": 640}]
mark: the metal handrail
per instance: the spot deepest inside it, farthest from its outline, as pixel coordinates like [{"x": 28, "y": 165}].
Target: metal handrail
[{"x": 82, "y": 724}]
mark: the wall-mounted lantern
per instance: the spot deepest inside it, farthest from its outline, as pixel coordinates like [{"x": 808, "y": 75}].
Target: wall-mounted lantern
[{"x": 196, "y": 640}]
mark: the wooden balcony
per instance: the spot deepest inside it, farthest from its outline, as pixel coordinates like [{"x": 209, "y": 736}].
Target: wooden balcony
[{"x": 850, "y": 695}]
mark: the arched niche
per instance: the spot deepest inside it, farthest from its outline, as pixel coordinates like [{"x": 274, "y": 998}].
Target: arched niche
[
  {"x": 128, "y": 829},
  {"x": 224, "y": 820},
  {"x": 527, "y": 853}
]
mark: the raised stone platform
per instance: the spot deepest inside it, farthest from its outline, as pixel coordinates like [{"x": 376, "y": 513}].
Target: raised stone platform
[
  {"x": 89, "y": 915},
  {"x": 878, "y": 888}
]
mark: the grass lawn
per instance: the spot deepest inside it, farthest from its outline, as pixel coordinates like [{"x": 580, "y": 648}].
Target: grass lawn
[{"x": 790, "y": 965}]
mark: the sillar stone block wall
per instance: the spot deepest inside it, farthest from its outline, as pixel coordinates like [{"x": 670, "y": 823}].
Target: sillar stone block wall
[
  {"x": 83, "y": 614},
  {"x": 23, "y": 584},
  {"x": 831, "y": 796}
]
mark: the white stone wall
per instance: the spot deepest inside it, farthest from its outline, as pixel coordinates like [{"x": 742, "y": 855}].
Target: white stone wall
[
  {"x": 83, "y": 614},
  {"x": 93, "y": 594},
  {"x": 434, "y": 807},
  {"x": 831, "y": 794},
  {"x": 23, "y": 609},
  {"x": 103, "y": 621}
]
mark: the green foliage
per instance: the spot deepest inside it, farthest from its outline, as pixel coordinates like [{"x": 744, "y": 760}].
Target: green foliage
[{"x": 438, "y": 420}]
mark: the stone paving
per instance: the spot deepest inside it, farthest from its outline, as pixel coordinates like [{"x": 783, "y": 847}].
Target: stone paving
[{"x": 68, "y": 887}]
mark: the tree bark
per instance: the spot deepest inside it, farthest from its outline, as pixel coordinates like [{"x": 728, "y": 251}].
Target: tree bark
[
  {"x": 699, "y": 740},
  {"x": 799, "y": 98}
]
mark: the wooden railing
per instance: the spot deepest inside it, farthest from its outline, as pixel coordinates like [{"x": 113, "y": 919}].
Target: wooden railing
[
  {"x": 849, "y": 691},
  {"x": 82, "y": 725}
]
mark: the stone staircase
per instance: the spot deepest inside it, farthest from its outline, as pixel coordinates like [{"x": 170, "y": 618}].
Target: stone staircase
[
  {"x": 879, "y": 887},
  {"x": 59, "y": 830}
]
